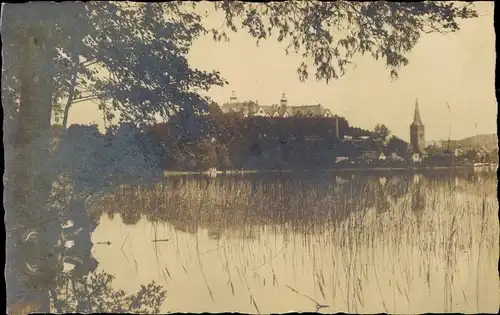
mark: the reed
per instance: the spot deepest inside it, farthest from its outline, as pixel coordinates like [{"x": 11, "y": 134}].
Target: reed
[{"x": 356, "y": 233}]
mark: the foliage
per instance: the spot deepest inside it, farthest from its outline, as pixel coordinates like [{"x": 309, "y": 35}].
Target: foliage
[
  {"x": 132, "y": 57},
  {"x": 397, "y": 145},
  {"x": 94, "y": 294},
  {"x": 236, "y": 142},
  {"x": 330, "y": 34},
  {"x": 96, "y": 160},
  {"x": 381, "y": 132},
  {"x": 145, "y": 52}
]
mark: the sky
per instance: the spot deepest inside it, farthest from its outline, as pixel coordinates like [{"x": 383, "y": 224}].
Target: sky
[{"x": 457, "y": 68}]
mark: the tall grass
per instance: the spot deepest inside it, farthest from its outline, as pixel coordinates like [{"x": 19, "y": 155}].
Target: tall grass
[{"x": 368, "y": 245}]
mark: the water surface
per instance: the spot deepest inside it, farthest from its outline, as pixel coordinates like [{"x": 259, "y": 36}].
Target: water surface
[{"x": 397, "y": 243}]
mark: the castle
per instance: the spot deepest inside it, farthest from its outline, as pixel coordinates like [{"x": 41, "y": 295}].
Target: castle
[
  {"x": 251, "y": 108},
  {"x": 417, "y": 132}
]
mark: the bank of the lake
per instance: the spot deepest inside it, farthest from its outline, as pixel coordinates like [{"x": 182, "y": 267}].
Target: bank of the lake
[{"x": 413, "y": 168}]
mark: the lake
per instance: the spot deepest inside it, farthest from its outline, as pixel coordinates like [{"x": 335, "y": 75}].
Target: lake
[{"x": 307, "y": 241}]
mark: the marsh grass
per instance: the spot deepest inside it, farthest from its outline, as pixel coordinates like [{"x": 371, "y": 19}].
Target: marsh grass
[{"x": 367, "y": 245}]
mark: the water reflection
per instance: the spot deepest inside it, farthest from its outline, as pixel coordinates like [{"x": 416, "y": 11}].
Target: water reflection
[
  {"x": 293, "y": 242},
  {"x": 51, "y": 267},
  {"x": 94, "y": 293}
]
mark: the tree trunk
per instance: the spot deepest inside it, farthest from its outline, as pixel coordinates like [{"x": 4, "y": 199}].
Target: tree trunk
[
  {"x": 71, "y": 90},
  {"x": 28, "y": 176}
]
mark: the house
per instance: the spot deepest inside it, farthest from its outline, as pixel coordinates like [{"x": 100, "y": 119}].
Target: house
[
  {"x": 254, "y": 109},
  {"x": 416, "y": 158},
  {"x": 458, "y": 152},
  {"x": 370, "y": 150},
  {"x": 395, "y": 157},
  {"x": 340, "y": 159},
  {"x": 369, "y": 154},
  {"x": 382, "y": 157}
]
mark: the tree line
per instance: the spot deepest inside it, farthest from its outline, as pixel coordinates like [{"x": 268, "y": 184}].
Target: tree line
[
  {"x": 227, "y": 142},
  {"x": 224, "y": 141}
]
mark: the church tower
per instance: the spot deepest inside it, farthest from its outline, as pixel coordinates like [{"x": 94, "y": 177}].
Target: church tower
[{"x": 417, "y": 132}]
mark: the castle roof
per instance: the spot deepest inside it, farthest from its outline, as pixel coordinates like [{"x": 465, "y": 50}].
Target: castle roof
[{"x": 253, "y": 107}]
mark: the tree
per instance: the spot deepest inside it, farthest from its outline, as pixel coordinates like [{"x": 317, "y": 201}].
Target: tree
[
  {"x": 434, "y": 150},
  {"x": 223, "y": 156},
  {"x": 381, "y": 132},
  {"x": 397, "y": 145},
  {"x": 92, "y": 47},
  {"x": 206, "y": 154},
  {"x": 330, "y": 34},
  {"x": 472, "y": 155},
  {"x": 112, "y": 38},
  {"x": 27, "y": 144}
]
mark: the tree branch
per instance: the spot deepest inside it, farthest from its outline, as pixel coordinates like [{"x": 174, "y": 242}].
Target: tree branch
[
  {"x": 71, "y": 90},
  {"x": 83, "y": 99}
]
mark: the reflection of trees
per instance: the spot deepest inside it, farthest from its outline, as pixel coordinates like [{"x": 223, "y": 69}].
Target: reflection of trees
[
  {"x": 236, "y": 202},
  {"x": 214, "y": 232},
  {"x": 130, "y": 216},
  {"x": 42, "y": 249},
  {"x": 187, "y": 226},
  {"x": 94, "y": 293},
  {"x": 299, "y": 201},
  {"x": 397, "y": 187},
  {"x": 65, "y": 238},
  {"x": 418, "y": 201}
]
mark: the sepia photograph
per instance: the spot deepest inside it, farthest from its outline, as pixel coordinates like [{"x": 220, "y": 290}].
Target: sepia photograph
[{"x": 250, "y": 157}]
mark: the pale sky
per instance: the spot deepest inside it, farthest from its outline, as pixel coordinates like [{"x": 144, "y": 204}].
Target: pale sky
[{"x": 456, "y": 68}]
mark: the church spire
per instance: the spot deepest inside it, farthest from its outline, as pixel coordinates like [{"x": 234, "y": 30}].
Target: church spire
[{"x": 416, "y": 117}]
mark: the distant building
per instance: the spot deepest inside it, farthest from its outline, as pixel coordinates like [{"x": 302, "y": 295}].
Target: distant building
[
  {"x": 395, "y": 157},
  {"x": 341, "y": 159},
  {"x": 458, "y": 152},
  {"x": 382, "y": 157},
  {"x": 251, "y": 108},
  {"x": 416, "y": 158},
  {"x": 370, "y": 150},
  {"x": 417, "y": 132}
]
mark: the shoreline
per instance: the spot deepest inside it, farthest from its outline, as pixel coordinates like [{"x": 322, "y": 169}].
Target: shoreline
[{"x": 492, "y": 167}]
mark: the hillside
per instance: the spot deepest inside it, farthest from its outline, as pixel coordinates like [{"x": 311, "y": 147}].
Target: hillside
[{"x": 487, "y": 141}]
